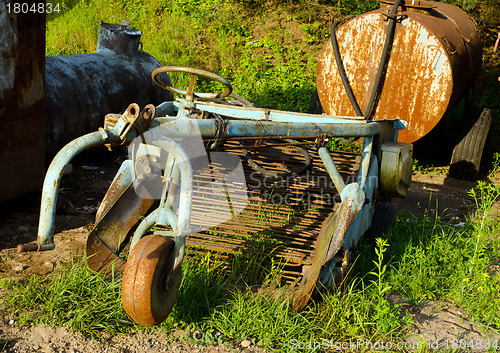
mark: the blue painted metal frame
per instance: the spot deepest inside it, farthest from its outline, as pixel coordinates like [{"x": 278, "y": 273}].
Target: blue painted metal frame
[
  {"x": 45, "y": 238},
  {"x": 242, "y": 122}
]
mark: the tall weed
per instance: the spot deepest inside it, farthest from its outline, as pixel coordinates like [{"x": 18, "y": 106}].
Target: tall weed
[{"x": 457, "y": 262}]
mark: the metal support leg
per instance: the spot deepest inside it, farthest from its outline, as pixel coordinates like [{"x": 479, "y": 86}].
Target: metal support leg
[
  {"x": 177, "y": 170},
  {"x": 366, "y": 156},
  {"x": 331, "y": 168}
]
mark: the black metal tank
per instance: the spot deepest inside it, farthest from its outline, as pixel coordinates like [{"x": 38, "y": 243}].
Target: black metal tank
[{"x": 81, "y": 89}]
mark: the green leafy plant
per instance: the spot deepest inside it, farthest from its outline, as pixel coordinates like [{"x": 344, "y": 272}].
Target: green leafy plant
[
  {"x": 379, "y": 282},
  {"x": 382, "y": 308},
  {"x": 495, "y": 168},
  {"x": 485, "y": 195}
]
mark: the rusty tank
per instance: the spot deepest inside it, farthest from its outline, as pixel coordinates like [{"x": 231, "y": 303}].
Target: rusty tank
[{"x": 415, "y": 71}]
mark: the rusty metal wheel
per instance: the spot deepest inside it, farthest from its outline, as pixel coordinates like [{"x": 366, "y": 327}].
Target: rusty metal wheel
[{"x": 149, "y": 286}]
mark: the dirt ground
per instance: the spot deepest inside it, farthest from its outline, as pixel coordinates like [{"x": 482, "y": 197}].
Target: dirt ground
[
  {"x": 437, "y": 192},
  {"x": 85, "y": 186}
]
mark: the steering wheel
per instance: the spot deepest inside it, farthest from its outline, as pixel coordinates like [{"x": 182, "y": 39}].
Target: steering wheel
[{"x": 189, "y": 93}]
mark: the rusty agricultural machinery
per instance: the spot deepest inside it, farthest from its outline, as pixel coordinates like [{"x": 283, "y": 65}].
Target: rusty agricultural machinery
[
  {"x": 172, "y": 195},
  {"x": 185, "y": 190}
]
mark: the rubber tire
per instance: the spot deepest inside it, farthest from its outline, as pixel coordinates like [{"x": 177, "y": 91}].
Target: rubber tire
[
  {"x": 315, "y": 104},
  {"x": 466, "y": 158},
  {"x": 383, "y": 220},
  {"x": 144, "y": 296}
]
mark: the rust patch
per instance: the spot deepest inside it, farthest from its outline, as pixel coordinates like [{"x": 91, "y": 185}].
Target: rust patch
[
  {"x": 281, "y": 222},
  {"x": 101, "y": 259},
  {"x": 114, "y": 192},
  {"x": 104, "y": 241}
]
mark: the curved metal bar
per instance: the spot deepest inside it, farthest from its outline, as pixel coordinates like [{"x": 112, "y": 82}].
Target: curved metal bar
[
  {"x": 274, "y": 174},
  {"x": 45, "y": 238},
  {"x": 341, "y": 69},
  {"x": 189, "y": 91},
  {"x": 186, "y": 192},
  {"x": 143, "y": 227},
  {"x": 179, "y": 165}
]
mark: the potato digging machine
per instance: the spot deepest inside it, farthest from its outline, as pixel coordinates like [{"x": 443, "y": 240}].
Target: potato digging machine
[
  {"x": 184, "y": 186},
  {"x": 211, "y": 172}
]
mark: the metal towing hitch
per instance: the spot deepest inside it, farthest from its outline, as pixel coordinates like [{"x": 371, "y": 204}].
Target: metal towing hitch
[{"x": 184, "y": 190}]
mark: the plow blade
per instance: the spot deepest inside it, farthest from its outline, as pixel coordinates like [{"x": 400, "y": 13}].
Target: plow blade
[{"x": 108, "y": 235}]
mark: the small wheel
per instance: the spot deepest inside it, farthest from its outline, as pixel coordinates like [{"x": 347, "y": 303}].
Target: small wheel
[
  {"x": 149, "y": 287},
  {"x": 189, "y": 93}
]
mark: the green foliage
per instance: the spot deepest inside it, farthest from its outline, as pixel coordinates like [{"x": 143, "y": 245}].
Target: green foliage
[
  {"x": 436, "y": 260},
  {"x": 383, "y": 310},
  {"x": 427, "y": 169},
  {"x": 75, "y": 296},
  {"x": 315, "y": 33},
  {"x": 418, "y": 273},
  {"x": 464, "y": 4},
  {"x": 200, "y": 292},
  {"x": 495, "y": 168},
  {"x": 381, "y": 269},
  {"x": 354, "y": 8},
  {"x": 267, "y": 319},
  {"x": 417, "y": 167},
  {"x": 339, "y": 144},
  {"x": 485, "y": 195}
]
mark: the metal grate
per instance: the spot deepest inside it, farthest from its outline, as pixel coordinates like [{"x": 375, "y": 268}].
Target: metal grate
[{"x": 283, "y": 216}]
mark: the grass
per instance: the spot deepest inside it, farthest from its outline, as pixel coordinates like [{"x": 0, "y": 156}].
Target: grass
[
  {"x": 3, "y": 344},
  {"x": 428, "y": 169},
  {"x": 436, "y": 260},
  {"x": 74, "y": 296},
  {"x": 495, "y": 167}
]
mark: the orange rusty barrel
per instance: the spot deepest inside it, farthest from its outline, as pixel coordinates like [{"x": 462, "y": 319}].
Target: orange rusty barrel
[{"x": 435, "y": 55}]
